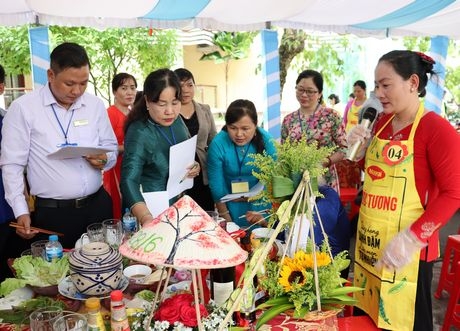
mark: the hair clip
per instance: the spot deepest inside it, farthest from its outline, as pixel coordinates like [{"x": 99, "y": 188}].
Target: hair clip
[{"x": 426, "y": 58}]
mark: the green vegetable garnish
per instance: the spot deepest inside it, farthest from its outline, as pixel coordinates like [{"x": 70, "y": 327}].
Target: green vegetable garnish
[
  {"x": 35, "y": 271},
  {"x": 146, "y": 295},
  {"x": 20, "y": 314}
]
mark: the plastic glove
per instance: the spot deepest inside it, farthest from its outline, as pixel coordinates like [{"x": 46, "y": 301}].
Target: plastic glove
[
  {"x": 359, "y": 134},
  {"x": 400, "y": 251}
]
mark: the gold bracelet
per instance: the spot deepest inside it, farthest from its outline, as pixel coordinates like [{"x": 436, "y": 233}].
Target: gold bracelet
[{"x": 224, "y": 213}]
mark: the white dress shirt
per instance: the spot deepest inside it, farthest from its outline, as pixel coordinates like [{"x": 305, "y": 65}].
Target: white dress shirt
[{"x": 34, "y": 127}]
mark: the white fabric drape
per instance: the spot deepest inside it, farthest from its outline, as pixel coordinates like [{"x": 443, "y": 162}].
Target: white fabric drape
[{"x": 332, "y": 15}]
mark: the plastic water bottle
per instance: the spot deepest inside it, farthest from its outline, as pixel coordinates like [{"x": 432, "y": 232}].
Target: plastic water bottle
[
  {"x": 129, "y": 223},
  {"x": 53, "y": 248}
]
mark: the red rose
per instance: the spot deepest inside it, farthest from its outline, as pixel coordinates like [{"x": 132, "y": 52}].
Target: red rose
[
  {"x": 181, "y": 299},
  {"x": 178, "y": 300},
  {"x": 168, "y": 313},
  {"x": 170, "y": 309},
  {"x": 188, "y": 315},
  {"x": 179, "y": 308}
]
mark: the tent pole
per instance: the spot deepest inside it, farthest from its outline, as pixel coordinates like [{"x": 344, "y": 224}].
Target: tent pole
[
  {"x": 39, "y": 54},
  {"x": 271, "y": 73},
  {"x": 435, "y": 88}
]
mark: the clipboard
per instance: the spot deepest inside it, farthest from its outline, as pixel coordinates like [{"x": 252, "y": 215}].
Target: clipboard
[
  {"x": 71, "y": 152},
  {"x": 256, "y": 189}
]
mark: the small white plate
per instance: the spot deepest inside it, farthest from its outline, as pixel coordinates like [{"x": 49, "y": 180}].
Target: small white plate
[
  {"x": 68, "y": 289},
  {"x": 172, "y": 289},
  {"x": 156, "y": 276},
  {"x": 263, "y": 233},
  {"x": 232, "y": 227}
]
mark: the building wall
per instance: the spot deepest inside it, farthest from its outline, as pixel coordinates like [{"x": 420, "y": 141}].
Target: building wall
[{"x": 242, "y": 82}]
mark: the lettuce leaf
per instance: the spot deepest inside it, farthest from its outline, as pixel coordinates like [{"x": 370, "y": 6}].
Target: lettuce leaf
[
  {"x": 146, "y": 295},
  {"x": 20, "y": 313},
  {"x": 35, "y": 271},
  {"x": 11, "y": 284}
]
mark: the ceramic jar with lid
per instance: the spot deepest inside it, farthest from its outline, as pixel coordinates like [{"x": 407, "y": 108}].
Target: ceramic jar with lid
[{"x": 95, "y": 268}]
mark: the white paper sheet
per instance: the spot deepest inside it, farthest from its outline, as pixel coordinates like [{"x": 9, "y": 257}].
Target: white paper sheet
[
  {"x": 181, "y": 156},
  {"x": 70, "y": 152},
  {"x": 256, "y": 189},
  {"x": 157, "y": 202}
]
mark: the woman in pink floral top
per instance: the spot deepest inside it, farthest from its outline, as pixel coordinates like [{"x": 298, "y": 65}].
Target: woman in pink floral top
[{"x": 316, "y": 122}]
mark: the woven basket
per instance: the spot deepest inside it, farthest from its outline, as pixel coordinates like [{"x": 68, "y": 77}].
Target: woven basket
[
  {"x": 316, "y": 315},
  {"x": 313, "y": 321}
]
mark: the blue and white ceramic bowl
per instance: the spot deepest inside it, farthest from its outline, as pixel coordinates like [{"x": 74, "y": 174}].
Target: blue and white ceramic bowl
[{"x": 95, "y": 268}]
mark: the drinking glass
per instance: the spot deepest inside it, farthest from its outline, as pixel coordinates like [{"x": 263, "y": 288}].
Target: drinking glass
[
  {"x": 222, "y": 223},
  {"x": 219, "y": 220},
  {"x": 95, "y": 232},
  {"x": 70, "y": 321},
  {"x": 113, "y": 232},
  {"x": 42, "y": 319},
  {"x": 38, "y": 248},
  {"x": 214, "y": 214},
  {"x": 26, "y": 252}
]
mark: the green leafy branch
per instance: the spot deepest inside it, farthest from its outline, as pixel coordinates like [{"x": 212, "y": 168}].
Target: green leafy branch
[{"x": 292, "y": 159}]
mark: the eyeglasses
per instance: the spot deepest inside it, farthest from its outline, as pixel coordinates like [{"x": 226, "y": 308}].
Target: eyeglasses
[{"x": 301, "y": 91}]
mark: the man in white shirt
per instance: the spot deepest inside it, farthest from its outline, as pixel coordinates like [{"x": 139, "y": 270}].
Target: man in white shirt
[{"x": 69, "y": 193}]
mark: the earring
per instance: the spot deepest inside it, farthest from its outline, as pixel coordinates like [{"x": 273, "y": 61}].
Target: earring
[{"x": 411, "y": 90}]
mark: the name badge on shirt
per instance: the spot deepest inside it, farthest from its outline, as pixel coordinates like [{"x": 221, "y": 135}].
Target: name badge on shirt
[
  {"x": 80, "y": 122},
  {"x": 240, "y": 186}
]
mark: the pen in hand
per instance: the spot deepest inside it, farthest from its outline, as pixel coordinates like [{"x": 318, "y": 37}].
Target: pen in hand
[
  {"x": 258, "y": 211},
  {"x": 195, "y": 165}
]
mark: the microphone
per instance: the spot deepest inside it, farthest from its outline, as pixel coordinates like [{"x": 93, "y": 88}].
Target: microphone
[{"x": 368, "y": 117}]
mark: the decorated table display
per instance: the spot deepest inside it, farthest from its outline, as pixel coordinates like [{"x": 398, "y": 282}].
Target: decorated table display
[
  {"x": 305, "y": 286},
  {"x": 305, "y": 283},
  {"x": 185, "y": 237}
]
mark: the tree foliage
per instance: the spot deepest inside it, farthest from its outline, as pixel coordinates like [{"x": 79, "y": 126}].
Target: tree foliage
[
  {"x": 311, "y": 52},
  {"x": 15, "y": 53},
  {"x": 452, "y": 79},
  {"x": 323, "y": 56},
  {"x": 292, "y": 43},
  {"x": 160, "y": 51},
  {"x": 421, "y": 44},
  {"x": 232, "y": 46},
  {"x": 111, "y": 51},
  {"x": 115, "y": 50}
]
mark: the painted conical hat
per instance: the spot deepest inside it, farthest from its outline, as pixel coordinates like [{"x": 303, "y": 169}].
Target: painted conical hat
[{"x": 184, "y": 236}]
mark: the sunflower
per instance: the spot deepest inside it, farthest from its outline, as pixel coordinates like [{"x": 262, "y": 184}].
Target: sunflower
[
  {"x": 305, "y": 260},
  {"x": 292, "y": 275},
  {"x": 293, "y": 284}
]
